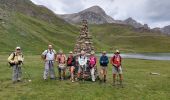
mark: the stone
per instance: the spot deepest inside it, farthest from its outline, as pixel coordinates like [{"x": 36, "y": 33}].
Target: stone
[{"x": 84, "y": 40}]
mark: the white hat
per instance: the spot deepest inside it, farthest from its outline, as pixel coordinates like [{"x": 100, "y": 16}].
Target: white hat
[
  {"x": 117, "y": 51},
  {"x": 50, "y": 45},
  {"x": 70, "y": 52},
  {"x": 92, "y": 52},
  {"x": 104, "y": 52},
  {"x": 18, "y": 48}
]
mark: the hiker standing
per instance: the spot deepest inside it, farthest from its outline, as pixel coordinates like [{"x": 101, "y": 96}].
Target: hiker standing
[
  {"x": 61, "y": 59},
  {"x": 104, "y": 65},
  {"x": 16, "y": 60},
  {"x": 117, "y": 69},
  {"x": 92, "y": 65},
  {"x": 71, "y": 63},
  {"x": 82, "y": 61},
  {"x": 49, "y": 56}
]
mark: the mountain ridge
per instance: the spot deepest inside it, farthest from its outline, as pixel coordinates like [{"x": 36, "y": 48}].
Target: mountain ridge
[{"x": 96, "y": 15}]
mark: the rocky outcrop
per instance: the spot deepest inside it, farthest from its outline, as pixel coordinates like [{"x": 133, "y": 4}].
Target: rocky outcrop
[
  {"x": 166, "y": 30},
  {"x": 94, "y": 15}
]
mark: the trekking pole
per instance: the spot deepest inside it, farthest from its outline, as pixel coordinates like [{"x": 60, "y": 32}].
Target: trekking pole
[{"x": 27, "y": 74}]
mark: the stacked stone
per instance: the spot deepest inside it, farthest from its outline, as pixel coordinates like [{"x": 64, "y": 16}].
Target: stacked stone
[{"x": 84, "y": 40}]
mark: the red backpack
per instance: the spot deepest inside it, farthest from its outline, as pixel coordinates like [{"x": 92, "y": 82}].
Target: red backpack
[
  {"x": 69, "y": 61},
  {"x": 116, "y": 59}
]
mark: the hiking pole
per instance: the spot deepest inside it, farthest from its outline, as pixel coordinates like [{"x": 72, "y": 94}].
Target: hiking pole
[
  {"x": 27, "y": 74},
  {"x": 29, "y": 77}
]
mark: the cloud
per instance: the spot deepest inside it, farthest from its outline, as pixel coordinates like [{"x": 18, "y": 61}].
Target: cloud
[
  {"x": 153, "y": 12},
  {"x": 159, "y": 10}
]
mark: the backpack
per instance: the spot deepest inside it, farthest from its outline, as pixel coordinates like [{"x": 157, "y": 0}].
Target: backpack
[
  {"x": 59, "y": 58},
  {"x": 92, "y": 60},
  {"x": 69, "y": 61},
  {"x": 11, "y": 64},
  {"x": 116, "y": 59},
  {"x": 19, "y": 62},
  {"x": 44, "y": 57}
]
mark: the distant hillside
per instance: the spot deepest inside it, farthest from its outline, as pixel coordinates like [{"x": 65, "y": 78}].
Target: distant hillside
[
  {"x": 33, "y": 27},
  {"x": 127, "y": 39}
]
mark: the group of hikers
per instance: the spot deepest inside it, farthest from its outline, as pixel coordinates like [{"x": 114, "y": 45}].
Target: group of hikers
[{"x": 77, "y": 65}]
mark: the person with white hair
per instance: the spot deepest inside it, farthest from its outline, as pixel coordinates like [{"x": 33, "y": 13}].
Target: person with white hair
[
  {"x": 49, "y": 57},
  {"x": 61, "y": 60},
  {"x": 16, "y": 60},
  {"x": 82, "y": 61}
]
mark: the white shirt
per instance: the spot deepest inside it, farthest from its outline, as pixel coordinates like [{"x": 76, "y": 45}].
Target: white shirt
[
  {"x": 50, "y": 55},
  {"x": 82, "y": 60}
]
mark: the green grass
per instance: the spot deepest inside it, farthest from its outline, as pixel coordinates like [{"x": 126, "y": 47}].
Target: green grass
[
  {"x": 138, "y": 83},
  {"x": 115, "y": 36}
]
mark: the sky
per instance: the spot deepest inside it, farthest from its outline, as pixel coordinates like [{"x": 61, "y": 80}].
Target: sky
[{"x": 155, "y": 13}]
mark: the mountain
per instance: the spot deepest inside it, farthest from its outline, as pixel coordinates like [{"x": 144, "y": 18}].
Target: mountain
[
  {"x": 133, "y": 23},
  {"x": 94, "y": 15},
  {"x": 32, "y": 27},
  {"x": 165, "y": 29}
]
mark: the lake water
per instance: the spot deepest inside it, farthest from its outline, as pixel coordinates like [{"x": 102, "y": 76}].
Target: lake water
[{"x": 147, "y": 56}]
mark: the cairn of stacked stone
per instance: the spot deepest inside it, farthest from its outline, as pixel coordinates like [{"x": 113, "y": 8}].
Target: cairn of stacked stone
[{"x": 84, "y": 40}]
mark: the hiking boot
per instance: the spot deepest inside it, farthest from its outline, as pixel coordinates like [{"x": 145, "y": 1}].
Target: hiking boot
[
  {"x": 45, "y": 79},
  {"x": 104, "y": 80},
  {"x": 114, "y": 83},
  {"x": 121, "y": 83},
  {"x": 52, "y": 78},
  {"x": 76, "y": 79},
  {"x": 100, "y": 81},
  {"x": 18, "y": 80},
  {"x": 59, "y": 78}
]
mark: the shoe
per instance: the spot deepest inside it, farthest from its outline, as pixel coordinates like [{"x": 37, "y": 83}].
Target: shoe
[
  {"x": 52, "y": 78},
  {"x": 76, "y": 79},
  {"x": 72, "y": 81},
  {"x": 18, "y": 80}
]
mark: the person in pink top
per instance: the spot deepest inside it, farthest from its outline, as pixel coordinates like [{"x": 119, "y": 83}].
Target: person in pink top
[{"x": 92, "y": 65}]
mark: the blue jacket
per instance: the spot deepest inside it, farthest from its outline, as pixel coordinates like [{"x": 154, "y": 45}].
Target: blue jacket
[{"x": 104, "y": 60}]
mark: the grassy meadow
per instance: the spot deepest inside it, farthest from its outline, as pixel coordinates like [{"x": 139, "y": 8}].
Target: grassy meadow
[{"x": 138, "y": 83}]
